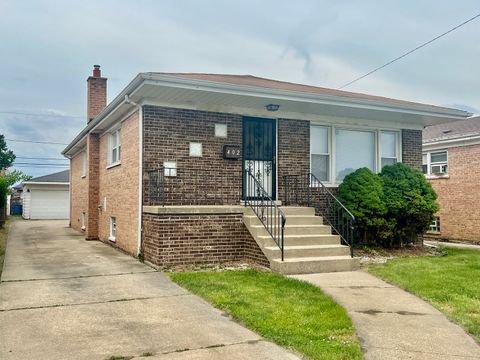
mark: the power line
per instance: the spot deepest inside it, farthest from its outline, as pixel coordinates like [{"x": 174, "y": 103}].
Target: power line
[
  {"x": 40, "y": 165},
  {"x": 39, "y": 158},
  {"x": 27, "y": 163},
  {"x": 37, "y": 142},
  {"x": 39, "y": 114},
  {"x": 409, "y": 52}
]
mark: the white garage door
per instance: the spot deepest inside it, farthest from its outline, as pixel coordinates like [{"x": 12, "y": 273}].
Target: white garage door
[{"x": 50, "y": 204}]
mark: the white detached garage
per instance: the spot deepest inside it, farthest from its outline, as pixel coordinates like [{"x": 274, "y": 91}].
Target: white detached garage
[{"x": 47, "y": 197}]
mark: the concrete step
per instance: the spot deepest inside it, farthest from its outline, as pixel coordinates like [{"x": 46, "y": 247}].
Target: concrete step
[
  {"x": 290, "y": 219},
  {"x": 302, "y": 240},
  {"x": 307, "y": 229},
  {"x": 297, "y": 210},
  {"x": 308, "y": 251},
  {"x": 293, "y": 230},
  {"x": 311, "y": 265}
]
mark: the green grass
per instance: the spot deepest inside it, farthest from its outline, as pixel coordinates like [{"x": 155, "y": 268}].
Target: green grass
[
  {"x": 3, "y": 242},
  {"x": 451, "y": 283},
  {"x": 291, "y": 313}
]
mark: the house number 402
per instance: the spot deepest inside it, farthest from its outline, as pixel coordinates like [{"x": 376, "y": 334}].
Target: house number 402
[{"x": 232, "y": 152}]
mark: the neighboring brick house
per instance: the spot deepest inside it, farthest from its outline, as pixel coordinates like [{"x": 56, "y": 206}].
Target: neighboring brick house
[
  {"x": 162, "y": 170},
  {"x": 451, "y": 162}
]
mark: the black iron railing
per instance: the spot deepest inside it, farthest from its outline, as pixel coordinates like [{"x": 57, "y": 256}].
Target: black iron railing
[
  {"x": 266, "y": 209},
  {"x": 192, "y": 186},
  {"x": 307, "y": 190}
]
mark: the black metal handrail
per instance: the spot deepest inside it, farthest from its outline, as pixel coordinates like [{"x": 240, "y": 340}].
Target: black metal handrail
[
  {"x": 308, "y": 190},
  {"x": 266, "y": 209}
]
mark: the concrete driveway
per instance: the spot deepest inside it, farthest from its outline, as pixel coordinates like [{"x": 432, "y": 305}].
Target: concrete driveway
[{"x": 62, "y": 297}]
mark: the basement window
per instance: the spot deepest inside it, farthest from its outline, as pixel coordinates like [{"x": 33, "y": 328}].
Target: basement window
[
  {"x": 435, "y": 225},
  {"x": 113, "y": 229}
]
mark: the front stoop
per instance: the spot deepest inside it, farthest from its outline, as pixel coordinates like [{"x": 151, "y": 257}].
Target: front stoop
[{"x": 310, "y": 246}]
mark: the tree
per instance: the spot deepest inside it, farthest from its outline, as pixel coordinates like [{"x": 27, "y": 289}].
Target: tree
[
  {"x": 7, "y": 157},
  {"x": 6, "y": 181},
  {"x": 410, "y": 199},
  {"x": 362, "y": 193}
]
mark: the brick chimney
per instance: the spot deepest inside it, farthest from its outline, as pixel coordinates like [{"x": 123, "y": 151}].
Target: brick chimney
[{"x": 96, "y": 93}]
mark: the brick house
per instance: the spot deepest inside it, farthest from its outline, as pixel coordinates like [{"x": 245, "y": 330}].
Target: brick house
[
  {"x": 202, "y": 168},
  {"x": 451, "y": 162}
]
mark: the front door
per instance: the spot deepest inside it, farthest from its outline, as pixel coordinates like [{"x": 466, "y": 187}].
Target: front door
[{"x": 259, "y": 156}]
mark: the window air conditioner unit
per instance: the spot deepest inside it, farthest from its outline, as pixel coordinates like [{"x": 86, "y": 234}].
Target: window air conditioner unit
[{"x": 439, "y": 169}]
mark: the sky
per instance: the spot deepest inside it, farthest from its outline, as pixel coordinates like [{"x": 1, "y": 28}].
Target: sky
[{"x": 48, "y": 49}]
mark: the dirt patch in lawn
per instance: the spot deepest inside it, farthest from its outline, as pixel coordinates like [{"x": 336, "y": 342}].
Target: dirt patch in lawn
[{"x": 377, "y": 255}]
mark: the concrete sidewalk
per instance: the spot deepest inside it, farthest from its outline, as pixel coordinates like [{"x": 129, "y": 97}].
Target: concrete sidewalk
[
  {"x": 392, "y": 323},
  {"x": 62, "y": 297},
  {"x": 452, "y": 245}
]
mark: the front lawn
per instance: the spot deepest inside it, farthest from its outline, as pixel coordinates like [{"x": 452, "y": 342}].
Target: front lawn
[
  {"x": 289, "y": 312},
  {"x": 451, "y": 283}
]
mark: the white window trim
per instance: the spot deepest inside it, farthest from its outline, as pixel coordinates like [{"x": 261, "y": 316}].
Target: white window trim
[
  {"x": 332, "y": 182},
  {"x": 329, "y": 140},
  {"x": 111, "y": 236},
  {"x": 435, "y": 226},
  {"x": 111, "y": 134},
  {"x": 429, "y": 164}
]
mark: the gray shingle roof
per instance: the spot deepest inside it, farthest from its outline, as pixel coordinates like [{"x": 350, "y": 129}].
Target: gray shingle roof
[
  {"x": 452, "y": 130},
  {"x": 62, "y": 176}
]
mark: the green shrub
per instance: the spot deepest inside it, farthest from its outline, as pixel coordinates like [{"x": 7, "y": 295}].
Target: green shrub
[
  {"x": 390, "y": 209},
  {"x": 410, "y": 200},
  {"x": 362, "y": 193}
]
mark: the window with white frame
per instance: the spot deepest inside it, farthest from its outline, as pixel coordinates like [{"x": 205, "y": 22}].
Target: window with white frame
[
  {"x": 388, "y": 148},
  {"x": 115, "y": 147},
  {"x": 113, "y": 229},
  {"x": 336, "y": 152},
  {"x": 435, "y": 225},
  {"x": 170, "y": 168},
  {"x": 354, "y": 149},
  {"x": 320, "y": 152},
  {"x": 84, "y": 164},
  {"x": 435, "y": 163}
]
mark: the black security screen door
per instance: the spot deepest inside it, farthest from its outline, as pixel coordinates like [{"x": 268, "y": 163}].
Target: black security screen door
[{"x": 259, "y": 155}]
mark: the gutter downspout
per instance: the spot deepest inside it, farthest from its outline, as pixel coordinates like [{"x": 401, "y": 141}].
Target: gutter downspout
[{"x": 140, "y": 172}]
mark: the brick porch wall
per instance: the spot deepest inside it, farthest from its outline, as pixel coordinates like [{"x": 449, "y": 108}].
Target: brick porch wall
[
  {"x": 170, "y": 240},
  {"x": 458, "y": 195},
  {"x": 210, "y": 179},
  {"x": 293, "y": 150}
]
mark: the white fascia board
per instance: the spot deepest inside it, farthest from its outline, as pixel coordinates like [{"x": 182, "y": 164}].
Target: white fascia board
[
  {"x": 45, "y": 183},
  {"x": 281, "y": 114},
  {"x": 449, "y": 143},
  {"x": 254, "y": 91}
]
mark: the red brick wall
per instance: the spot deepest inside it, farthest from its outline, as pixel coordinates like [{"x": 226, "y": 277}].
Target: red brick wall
[
  {"x": 78, "y": 192},
  {"x": 459, "y": 195},
  {"x": 170, "y": 240},
  {"x": 93, "y": 155},
  {"x": 118, "y": 188},
  {"x": 96, "y": 96}
]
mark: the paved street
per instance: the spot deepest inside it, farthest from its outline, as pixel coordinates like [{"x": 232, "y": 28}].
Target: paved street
[{"x": 62, "y": 297}]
